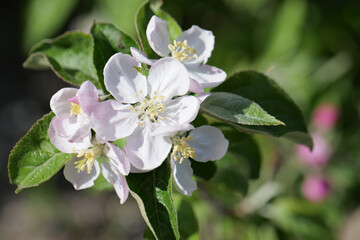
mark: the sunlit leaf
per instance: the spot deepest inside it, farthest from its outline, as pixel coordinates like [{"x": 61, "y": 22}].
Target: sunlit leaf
[
  {"x": 34, "y": 159},
  {"x": 70, "y": 56},
  {"x": 153, "y": 193}
]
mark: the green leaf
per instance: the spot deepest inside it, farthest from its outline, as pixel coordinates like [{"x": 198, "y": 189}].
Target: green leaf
[
  {"x": 204, "y": 170},
  {"x": 187, "y": 220},
  {"x": 101, "y": 184},
  {"x": 70, "y": 56},
  {"x": 34, "y": 159},
  {"x": 108, "y": 40},
  {"x": 143, "y": 71},
  {"x": 233, "y": 108},
  {"x": 143, "y": 16},
  {"x": 153, "y": 193},
  {"x": 232, "y": 180},
  {"x": 243, "y": 151},
  {"x": 265, "y": 92}
]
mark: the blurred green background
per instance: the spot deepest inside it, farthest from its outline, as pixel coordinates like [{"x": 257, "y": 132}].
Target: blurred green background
[{"x": 311, "y": 48}]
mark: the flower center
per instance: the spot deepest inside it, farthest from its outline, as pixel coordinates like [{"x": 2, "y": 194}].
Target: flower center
[
  {"x": 182, "y": 149},
  {"x": 182, "y": 51},
  {"x": 150, "y": 108},
  {"x": 75, "y": 109},
  {"x": 88, "y": 161}
]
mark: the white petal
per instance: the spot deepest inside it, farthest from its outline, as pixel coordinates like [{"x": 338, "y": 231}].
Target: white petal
[
  {"x": 209, "y": 143},
  {"x": 122, "y": 80},
  {"x": 74, "y": 128},
  {"x": 141, "y": 57},
  {"x": 171, "y": 130},
  {"x": 169, "y": 78},
  {"x": 64, "y": 145},
  {"x": 203, "y": 96},
  {"x": 88, "y": 97},
  {"x": 201, "y": 40},
  {"x": 195, "y": 87},
  {"x": 59, "y": 103},
  {"x": 115, "y": 178},
  {"x": 207, "y": 76},
  {"x": 147, "y": 152},
  {"x": 118, "y": 159},
  {"x": 113, "y": 120},
  {"x": 82, "y": 179},
  {"x": 182, "y": 174},
  {"x": 180, "y": 111},
  {"x": 158, "y": 36}
]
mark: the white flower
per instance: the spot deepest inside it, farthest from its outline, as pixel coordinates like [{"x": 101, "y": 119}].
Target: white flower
[
  {"x": 73, "y": 108},
  {"x": 192, "y": 48},
  {"x": 84, "y": 169},
  {"x": 149, "y": 106},
  {"x": 203, "y": 144}
]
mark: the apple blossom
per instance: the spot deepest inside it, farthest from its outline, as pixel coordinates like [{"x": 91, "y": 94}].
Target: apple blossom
[
  {"x": 325, "y": 116},
  {"x": 315, "y": 188},
  {"x": 203, "y": 144},
  {"x": 84, "y": 169},
  {"x": 143, "y": 105},
  {"x": 192, "y": 48},
  {"x": 73, "y": 108},
  {"x": 320, "y": 154}
]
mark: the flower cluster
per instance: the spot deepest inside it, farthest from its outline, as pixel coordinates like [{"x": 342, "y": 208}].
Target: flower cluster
[
  {"x": 152, "y": 110},
  {"x": 315, "y": 186}
]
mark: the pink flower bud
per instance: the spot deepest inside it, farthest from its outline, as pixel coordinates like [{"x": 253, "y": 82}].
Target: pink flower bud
[
  {"x": 320, "y": 154},
  {"x": 325, "y": 116},
  {"x": 315, "y": 188}
]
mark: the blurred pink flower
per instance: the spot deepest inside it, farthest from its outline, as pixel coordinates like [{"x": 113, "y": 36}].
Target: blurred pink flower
[
  {"x": 325, "y": 116},
  {"x": 315, "y": 188},
  {"x": 320, "y": 154}
]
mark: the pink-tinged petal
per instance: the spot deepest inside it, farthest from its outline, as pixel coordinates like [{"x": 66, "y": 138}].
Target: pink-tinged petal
[
  {"x": 114, "y": 177},
  {"x": 209, "y": 143},
  {"x": 73, "y": 128},
  {"x": 82, "y": 179},
  {"x": 59, "y": 103},
  {"x": 158, "y": 36},
  {"x": 113, "y": 120},
  {"x": 64, "y": 145},
  {"x": 171, "y": 130},
  {"x": 315, "y": 188},
  {"x": 201, "y": 40},
  {"x": 203, "y": 96},
  {"x": 182, "y": 174},
  {"x": 74, "y": 99},
  {"x": 180, "y": 111},
  {"x": 325, "y": 116},
  {"x": 320, "y": 154},
  {"x": 169, "y": 78},
  {"x": 87, "y": 97},
  {"x": 207, "y": 76},
  {"x": 118, "y": 159},
  {"x": 141, "y": 57},
  {"x": 122, "y": 80},
  {"x": 195, "y": 87},
  {"x": 147, "y": 152}
]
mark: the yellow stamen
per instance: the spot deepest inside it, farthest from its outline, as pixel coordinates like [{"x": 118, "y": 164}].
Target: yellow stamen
[
  {"x": 181, "y": 149},
  {"x": 150, "y": 108},
  {"x": 75, "y": 109},
  {"x": 182, "y": 51},
  {"x": 88, "y": 161}
]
